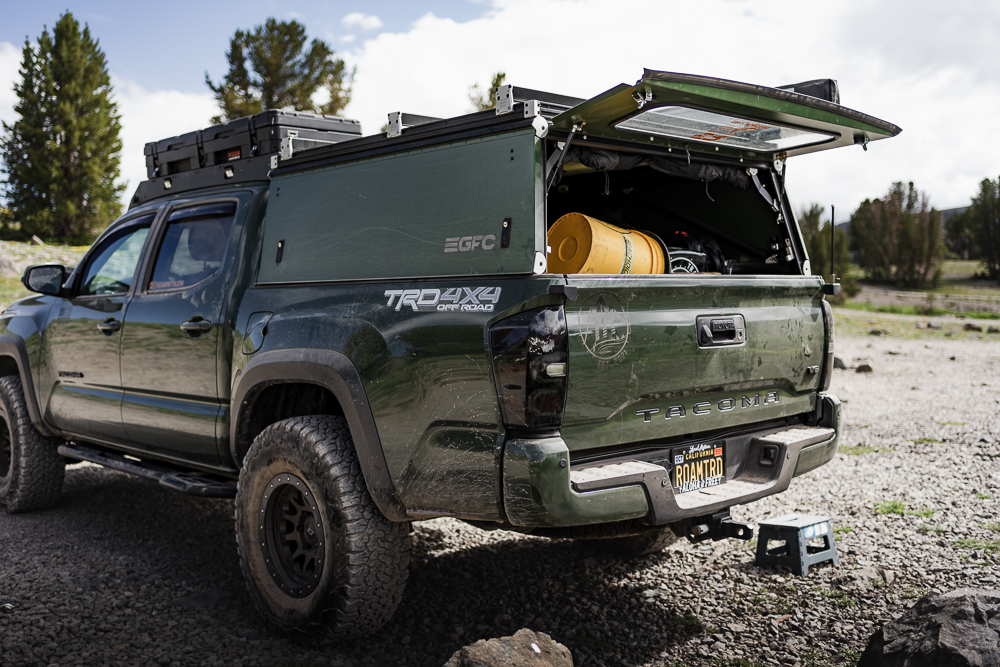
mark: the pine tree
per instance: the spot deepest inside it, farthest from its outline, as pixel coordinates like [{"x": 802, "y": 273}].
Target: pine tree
[
  {"x": 817, "y": 240},
  {"x": 481, "y": 101},
  {"x": 62, "y": 155},
  {"x": 268, "y": 69},
  {"x": 898, "y": 238},
  {"x": 984, "y": 220}
]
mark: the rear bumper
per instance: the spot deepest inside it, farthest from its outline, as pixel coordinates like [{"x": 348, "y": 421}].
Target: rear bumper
[{"x": 538, "y": 489}]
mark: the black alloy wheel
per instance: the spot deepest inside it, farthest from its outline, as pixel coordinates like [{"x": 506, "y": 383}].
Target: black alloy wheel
[
  {"x": 31, "y": 468},
  {"x": 6, "y": 451},
  {"x": 315, "y": 551},
  {"x": 292, "y": 534}
]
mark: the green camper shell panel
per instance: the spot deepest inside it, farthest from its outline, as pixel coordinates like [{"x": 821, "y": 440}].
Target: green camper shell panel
[
  {"x": 432, "y": 212},
  {"x": 721, "y": 117}
]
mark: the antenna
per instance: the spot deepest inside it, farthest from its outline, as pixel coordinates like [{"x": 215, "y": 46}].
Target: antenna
[
  {"x": 832, "y": 288},
  {"x": 833, "y": 237}
]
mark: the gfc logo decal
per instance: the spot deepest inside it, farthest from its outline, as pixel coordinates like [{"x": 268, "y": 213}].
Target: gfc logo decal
[
  {"x": 469, "y": 243},
  {"x": 456, "y": 299}
]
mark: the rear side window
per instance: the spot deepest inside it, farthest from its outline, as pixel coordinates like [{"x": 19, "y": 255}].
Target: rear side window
[{"x": 193, "y": 247}]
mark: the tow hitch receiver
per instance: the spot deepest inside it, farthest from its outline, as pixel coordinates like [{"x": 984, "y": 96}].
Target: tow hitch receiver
[{"x": 716, "y": 526}]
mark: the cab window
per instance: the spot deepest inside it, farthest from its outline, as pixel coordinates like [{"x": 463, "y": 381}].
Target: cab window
[
  {"x": 111, "y": 268},
  {"x": 193, "y": 246}
]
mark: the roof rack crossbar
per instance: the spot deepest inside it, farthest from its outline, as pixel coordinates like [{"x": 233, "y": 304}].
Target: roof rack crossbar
[{"x": 525, "y": 94}]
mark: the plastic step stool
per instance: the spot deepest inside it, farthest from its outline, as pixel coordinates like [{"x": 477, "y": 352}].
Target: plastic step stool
[{"x": 795, "y": 530}]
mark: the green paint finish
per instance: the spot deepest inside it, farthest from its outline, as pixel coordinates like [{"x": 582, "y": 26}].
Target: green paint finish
[
  {"x": 426, "y": 373},
  {"x": 599, "y": 115},
  {"x": 634, "y": 346},
  {"x": 537, "y": 489},
  {"x": 814, "y": 456},
  {"x": 432, "y": 212}
]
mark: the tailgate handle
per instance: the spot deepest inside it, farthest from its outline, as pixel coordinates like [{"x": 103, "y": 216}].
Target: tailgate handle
[{"x": 721, "y": 330}]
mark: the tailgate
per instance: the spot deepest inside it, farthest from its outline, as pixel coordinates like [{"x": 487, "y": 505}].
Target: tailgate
[{"x": 658, "y": 357}]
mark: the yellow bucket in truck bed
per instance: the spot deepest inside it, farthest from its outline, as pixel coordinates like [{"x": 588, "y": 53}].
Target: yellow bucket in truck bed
[{"x": 581, "y": 244}]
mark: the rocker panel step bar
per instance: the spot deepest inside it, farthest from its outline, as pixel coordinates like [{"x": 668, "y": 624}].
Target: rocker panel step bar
[{"x": 186, "y": 482}]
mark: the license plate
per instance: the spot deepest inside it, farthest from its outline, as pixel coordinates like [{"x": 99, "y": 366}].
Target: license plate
[{"x": 698, "y": 466}]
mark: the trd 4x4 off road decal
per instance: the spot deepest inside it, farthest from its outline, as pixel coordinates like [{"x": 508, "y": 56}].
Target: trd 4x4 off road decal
[{"x": 461, "y": 299}]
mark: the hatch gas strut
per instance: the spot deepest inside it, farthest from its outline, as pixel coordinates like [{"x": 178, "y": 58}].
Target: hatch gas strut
[{"x": 562, "y": 156}]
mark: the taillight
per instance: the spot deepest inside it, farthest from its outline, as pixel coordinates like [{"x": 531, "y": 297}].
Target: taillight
[
  {"x": 530, "y": 352},
  {"x": 827, "y": 372}
]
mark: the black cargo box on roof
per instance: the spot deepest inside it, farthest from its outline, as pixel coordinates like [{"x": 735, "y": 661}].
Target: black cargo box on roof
[{"x": 245, "y": 138}]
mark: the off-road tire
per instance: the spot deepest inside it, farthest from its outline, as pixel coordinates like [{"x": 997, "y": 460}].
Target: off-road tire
[
  {"x": 307, "y": 467},
  {"x": 31, "y": 468},
  {"x": 652, "y": 541}
]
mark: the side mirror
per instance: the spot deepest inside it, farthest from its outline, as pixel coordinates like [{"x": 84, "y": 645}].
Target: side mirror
[{"x": 44, "y": 278}]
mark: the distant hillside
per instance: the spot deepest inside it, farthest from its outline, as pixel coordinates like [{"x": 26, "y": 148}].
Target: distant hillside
[{"x": 945, "y": 215}]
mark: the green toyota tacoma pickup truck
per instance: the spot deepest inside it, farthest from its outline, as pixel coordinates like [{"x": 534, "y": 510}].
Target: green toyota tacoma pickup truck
[{"x": 587, "y": 319}]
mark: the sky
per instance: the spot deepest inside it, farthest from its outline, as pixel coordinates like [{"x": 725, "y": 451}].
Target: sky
[{"x": 927, "y": 66}]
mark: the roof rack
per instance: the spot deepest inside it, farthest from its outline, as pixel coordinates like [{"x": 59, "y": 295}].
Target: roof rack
[
  {"x": 248, "y": 149},
  {"x": 241, "y": 150}
]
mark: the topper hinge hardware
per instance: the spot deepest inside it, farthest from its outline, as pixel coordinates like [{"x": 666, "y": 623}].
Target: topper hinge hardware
[{"x": 642, "y": 98}]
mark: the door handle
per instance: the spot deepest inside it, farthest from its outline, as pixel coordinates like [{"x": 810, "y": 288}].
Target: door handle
[
  {"x": 109, "y": 326},
  {"x": 196, "y": 326}
]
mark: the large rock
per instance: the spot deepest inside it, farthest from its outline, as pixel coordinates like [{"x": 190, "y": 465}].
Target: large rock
[
  {"x": 960, "y": 628},
  {"x": 526, "y": 648}
]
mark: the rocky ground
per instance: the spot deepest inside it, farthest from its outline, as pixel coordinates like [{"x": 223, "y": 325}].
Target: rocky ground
[{"x": 124, "y": 572}]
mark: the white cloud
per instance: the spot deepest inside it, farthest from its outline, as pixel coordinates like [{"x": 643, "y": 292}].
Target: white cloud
[
  {"x": 930, "y": 71},
  {"x": 153, "y": 115},
  {"x": 146, "y": 115},
  {"x": 362, "y": 21},
  {"x": 10, "y": 63},
  {"x": 347, "y": 39}
]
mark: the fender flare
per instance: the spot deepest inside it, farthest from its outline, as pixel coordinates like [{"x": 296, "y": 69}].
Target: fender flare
[
  {"x": 12, "y": 345},
  {"x": 335, "y": 372}
]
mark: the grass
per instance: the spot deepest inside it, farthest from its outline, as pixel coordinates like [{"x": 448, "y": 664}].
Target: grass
[
  {"x": 927, "y": 441},
  {"x": 921, "y": 311},
  {"x": 985, "y": 545},
  {"x": 11, "y": 290},
  {"x": 952, "y": 423},
  {"x": 859, "y": 324},
  {"x": 771, "y": 605},
  {"x": 858, "y": 450},
  {"x": 839, "y": 597},
  {"x": 991, "y": 525},
  {"x": 843, "y": 529},
  {"x": 899, "y": 507},
  {"x": 926, "y": 528},
  {"x": 914, "y": 592},
  {"x": 983, "y": 496},
  {"x": 891, "y": 507},
  {"x": 816, "y": 659}
]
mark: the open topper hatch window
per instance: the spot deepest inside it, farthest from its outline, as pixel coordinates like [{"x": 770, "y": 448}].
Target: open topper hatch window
[{"x": 722, "y": 117}]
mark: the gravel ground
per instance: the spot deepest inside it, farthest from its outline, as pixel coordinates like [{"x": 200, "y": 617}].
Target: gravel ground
[{"x": 124, "y": 572}]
